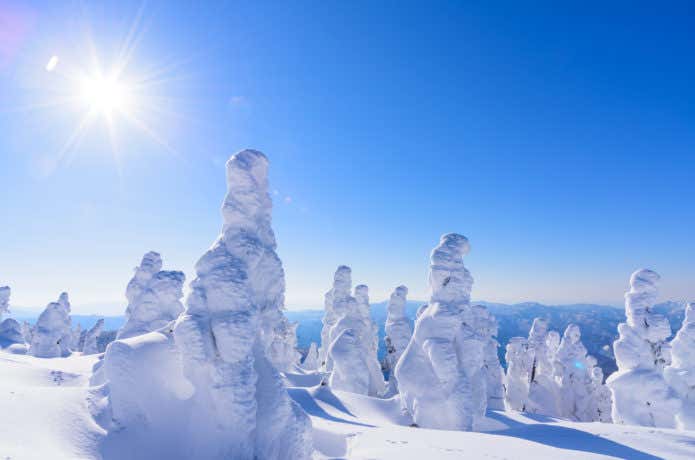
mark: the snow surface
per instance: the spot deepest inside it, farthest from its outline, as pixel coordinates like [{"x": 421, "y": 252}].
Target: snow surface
[{"x": 46, "y": 413}]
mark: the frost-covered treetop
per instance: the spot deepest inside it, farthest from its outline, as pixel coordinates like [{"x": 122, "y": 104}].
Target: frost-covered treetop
[
  {"x": 4, "y": 299},
  {"x": 362, "y": 298},
  {"x": 342, "y": 281},
  {"x": 396, "y": 305},
  {"x": 642, "y": 295},
  {"x": 449, "y": 280},
  {"x": 247, "y": 205},
  {"x": 64, "y": 302},
  {"x": 572, "y": 335}
]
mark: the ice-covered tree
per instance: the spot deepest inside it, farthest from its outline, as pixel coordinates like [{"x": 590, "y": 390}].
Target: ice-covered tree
[
  {"x": 543, "y": 396},
  {"x": 335, "y": 302},
  {"x": 90, "y": 346},
  {"x": 4, "y": 300},
  {"x": 353, "y": 350},
  {"x": 27, "y": 331},
  {"x": 77, "y": 338},
  {"x": 239, "y": 288},
  {"x": 600, "y": 396},
  {"x": 573, "y": 368},
  {"x": 641, "y": 396},
  {"x": 440, "y": 374},
  {"x": 10, "y": 332},
  {"x": 398, "y": 333},
  {"x": 211, "y": 390},
  {"x": 282, "y": 349},
  {"x": 52, "y": 333},
  {"x": 10, "y": 329},
  {"x": 680, "y": 375},
  {"x": 154, "y": 297},
  {"x": 311, "y": 360},
  {"x": 487, "y": 327},
  {"x": 518, "y": 376}
]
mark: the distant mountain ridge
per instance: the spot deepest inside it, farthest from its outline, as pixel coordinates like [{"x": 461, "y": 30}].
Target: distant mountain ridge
[{"x": 598, "y": 323}]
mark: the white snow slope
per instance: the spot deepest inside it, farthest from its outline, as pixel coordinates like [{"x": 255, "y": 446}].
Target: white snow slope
[{"x": 45, "y": 414}]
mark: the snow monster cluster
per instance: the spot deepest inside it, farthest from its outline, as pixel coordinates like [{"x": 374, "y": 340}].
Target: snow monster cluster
[
  {"x": 202, "y": 378},
  {"x": 202, "y": 381}
]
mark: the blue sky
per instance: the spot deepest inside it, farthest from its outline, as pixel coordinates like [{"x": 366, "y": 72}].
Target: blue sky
[{"x": 559, "y": 139}]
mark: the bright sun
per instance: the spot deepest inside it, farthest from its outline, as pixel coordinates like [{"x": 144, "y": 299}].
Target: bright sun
[{"x": 105, "y": 95}]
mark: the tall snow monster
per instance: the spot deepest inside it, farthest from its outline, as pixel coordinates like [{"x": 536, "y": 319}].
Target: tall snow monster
[
  {"x": 440, "y": 374},
  {"x": 206, "y": 388},
  {"x": 641, "y": 396}
]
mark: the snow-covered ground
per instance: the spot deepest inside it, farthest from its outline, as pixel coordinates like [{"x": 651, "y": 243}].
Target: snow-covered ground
[{"x": 45, "y": 413}]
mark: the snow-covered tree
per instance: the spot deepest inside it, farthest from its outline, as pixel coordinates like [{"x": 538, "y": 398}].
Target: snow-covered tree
[
  {"x": 311, "y": 360},
  {"x": 52, "y": 333},
  {"x": 282, "y": 350},
  {"x": 10, "y": 329},
  {"x": 600, "y": 395},
  {"x": 544, "y": 395},
  {"x": 573, "y": 368},
  {"x": 398, "y": 333},
  {"x": 335, "y": 302},
  {"x": 239, "y": 286},
  {"x": 353, "y": 350},
  {"x": 11, "y": 333},
  {"x": 440, "y": 374},
  {"x": 487, "y": 327},
  {"x": 518, "y": 377},
  {"x": 4, "y": 300},
  {"x": 206, "y": 387},
  {"x": 90, "y": 346},
  {"x": 27, "y": 331},
  {"x": 77, "y": 338},
  {"x": 154, "y": 297},
  {"x": 680, "y": 375},
  {"x": 641, "y": 396}
]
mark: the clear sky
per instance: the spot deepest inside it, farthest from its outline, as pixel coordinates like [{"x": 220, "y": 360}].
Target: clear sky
[{"x": 559, "y": 139}]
